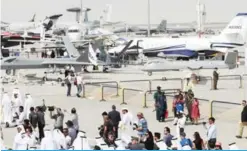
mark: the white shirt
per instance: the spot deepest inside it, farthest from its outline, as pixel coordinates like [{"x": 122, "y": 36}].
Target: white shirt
[
  {"x": 162, "y": 145},
  {"x": 211, "y": 131},
  {"x": 20, "y": 142},
  {"x": 68, "y": 141},
  {"x": 79, "y": 79},
  {"x": 21, "y": 118},
  {"x": 31, "y": 140},
  {"x": 74, "y": 119}
]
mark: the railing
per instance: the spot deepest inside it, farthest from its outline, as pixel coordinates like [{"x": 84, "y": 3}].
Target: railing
[
  {"x": 208, "y": 77},
  {"x": 99, "y": 84},
  {"x": 130, "y": 81},
  {"x": 164, "y": 90},
  {"x": 127, "y": 89},
  {"x": 171, "y": 79},
  {"x": 240, "y": 79},
  {"x": 84, "y": 88},
  {"x": 223, "y": 102},
  {"x": 102, "y": 92}
]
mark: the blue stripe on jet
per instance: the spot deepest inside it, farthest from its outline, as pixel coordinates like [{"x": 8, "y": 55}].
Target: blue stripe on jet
[
  {"x": 165, "y": 48},
  {"x": 184, "y": 52},
  {"x": 242, "y": 14}
]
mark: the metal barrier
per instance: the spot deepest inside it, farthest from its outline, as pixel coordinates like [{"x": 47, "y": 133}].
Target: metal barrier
[
  {"x": 84, "y": 88},
  {"x": 102, "y": 92},
  {"x": 99, "y": 84},
  {"x": 208, "y": 77},
  {"x": 123, "y": 94},
  {"x": 171, "y": 79},
  {"x": 163, "y": 90},
  {"x": 240, "y": 79},
  {"x": 149, "y": 82},
  {"x": 223, "y": 102}
]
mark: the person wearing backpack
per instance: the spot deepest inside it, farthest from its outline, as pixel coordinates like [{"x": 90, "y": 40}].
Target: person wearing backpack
[{"x": 185, "y": 143}]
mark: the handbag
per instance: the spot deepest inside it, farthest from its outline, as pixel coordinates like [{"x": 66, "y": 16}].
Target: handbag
[
  {"x": 75, "y": 82},
  {"x": 166, "y": 114}
]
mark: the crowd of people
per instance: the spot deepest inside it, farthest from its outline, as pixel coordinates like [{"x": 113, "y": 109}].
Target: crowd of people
[
  {"x": 30, "y": 123},
  {"x": 117, "y": 128}
]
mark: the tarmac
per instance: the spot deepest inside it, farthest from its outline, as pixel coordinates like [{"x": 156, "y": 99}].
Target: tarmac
[{"x": 90, "y": 108}]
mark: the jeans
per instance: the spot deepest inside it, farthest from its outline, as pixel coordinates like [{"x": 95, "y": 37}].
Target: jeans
[
  {"x": 79, "y": 89},
  {"x": 69, "y": 89}
]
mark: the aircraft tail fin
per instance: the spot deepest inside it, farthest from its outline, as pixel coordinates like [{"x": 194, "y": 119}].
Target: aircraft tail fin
[
  {"x": 236, "y": 30},
  {"x": 125, "y": 48},
  {"x": 231, "y": 59},
  {"x": 72, "y": 51},
  {"x": 162, "y": 26},
  {"x": 51, "y": 21},
  {"x": 92, "y": 56},
  {"x": 108, "y": 12},
  {"x": 33, "y": 19},
  {"x": 86, "y": 15}
]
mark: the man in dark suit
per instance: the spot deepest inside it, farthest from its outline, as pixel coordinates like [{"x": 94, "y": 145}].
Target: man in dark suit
[
  {"x": 215, "y": 79},
  {"x": 115, "y": 117}
]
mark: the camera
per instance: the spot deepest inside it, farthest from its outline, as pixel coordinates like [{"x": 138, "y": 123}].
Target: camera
[
  {"x": 51, "y": 108},
  {"x": 204, "y": 123},
  {"x": 135, "y": 126}
]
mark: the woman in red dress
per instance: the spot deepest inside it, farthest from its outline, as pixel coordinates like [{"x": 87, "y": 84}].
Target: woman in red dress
[{"x": 195, "y": 112}]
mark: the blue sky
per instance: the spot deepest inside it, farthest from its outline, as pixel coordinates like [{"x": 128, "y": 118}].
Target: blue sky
[{"x": 130, "y": 11}]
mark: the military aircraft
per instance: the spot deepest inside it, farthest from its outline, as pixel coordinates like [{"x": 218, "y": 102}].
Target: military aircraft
[
  {"x": 230, "y": 62},
  {"x": 75, "y": 59}
]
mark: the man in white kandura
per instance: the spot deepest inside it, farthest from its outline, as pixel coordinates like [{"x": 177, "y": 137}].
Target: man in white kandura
[
  {"x": 16, "y": 99},
  {"x": 28, "y": 104},
  {"x": 59, "y": 138},
  {"x": 48, "y": 142},
  {"x": 20, "y": 141},
  {"x": 7, "y": 109},
  {"x": 125, "y": 126}
]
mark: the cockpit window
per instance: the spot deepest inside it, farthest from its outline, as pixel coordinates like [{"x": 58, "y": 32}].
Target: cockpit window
[{"x": 73, "y": 30}]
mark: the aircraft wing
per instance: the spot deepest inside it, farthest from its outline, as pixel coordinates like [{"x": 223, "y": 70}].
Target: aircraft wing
[
  {"x": 111, "y": 23},
  {"x": 8, "y": 59},
  {"x": 65, "y": 62}
]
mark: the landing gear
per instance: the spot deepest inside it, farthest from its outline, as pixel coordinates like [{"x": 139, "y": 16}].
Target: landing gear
[
  {"x": 150, "y": 73},
  {"x": 85, "y": 69},
  {"x": 8, "y": 71},
  {"x": 59, "y": 80},
  {"x": 44, "y": 79},
  {"x": 105, "y": 69}
]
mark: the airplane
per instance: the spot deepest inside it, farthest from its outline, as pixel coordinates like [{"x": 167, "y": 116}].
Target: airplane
[
  {"x": 230, "y": 62},
  {"x": 26, "y": 35},
  {"x": 232, "y": 36},
  {"x": 48, "y": 22},
  {"x": 161, "y": 28},
  {"x": 90, "y": 29},
  {"x": 105, "y": 57},
  {"x": 86, "y": 58}
]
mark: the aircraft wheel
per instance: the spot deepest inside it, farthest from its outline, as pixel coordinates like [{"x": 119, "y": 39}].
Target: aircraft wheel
[
  {"x": 8, "y": 71},
  {"x": 59, "y": 80},
  {"x": 149, "y": 73},
  {"x": 105, "y": 70},
  {"x": 44, "y": 79}
]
